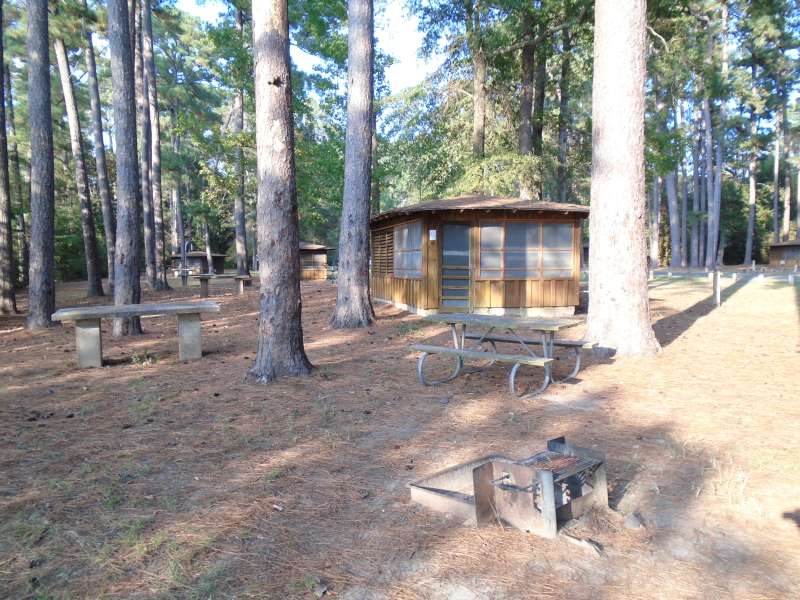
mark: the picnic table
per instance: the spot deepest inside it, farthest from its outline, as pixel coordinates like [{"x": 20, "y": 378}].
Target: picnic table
[
  {"x": 510, "y": 332},
  {"x": 242, "y": 281}
]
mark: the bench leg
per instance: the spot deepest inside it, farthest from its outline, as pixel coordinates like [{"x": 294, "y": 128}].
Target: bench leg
[
  {"x": 88, "y": 343},
  {"x": 189, "y": 337},
  {"x": 204, "y": 288}
]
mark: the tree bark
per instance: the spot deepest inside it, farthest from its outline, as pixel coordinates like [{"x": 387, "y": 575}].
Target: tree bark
[
  {"x": 538, "y": 100},
  {"x": 207, "y": 243},
  {"x": 563, "y": 115},
  {"x": 715, "y": 201},
  {"x": 8, "y": 299},
  {"x": 694, "y": 251},
  {"x": 280, "y": 348},
  {"x": 239, "y": 218},
  {"x": 93, "y": 277},
  {"x": 527, "y": 77},
  {"x": 41, "y": 288},
  {"x": 655, "y": 223},
  {"x": 127, "y": 289},
  {"x": 684, "y": 190},
  {"x": 22, "y": 263},
  {"x": 177, "y": 203},
  {"x": 673, "y": 211},
  {"x": 776, "y": 189},
  {"x": 150, "y": 76},
  {"x": 353, "y": 303},
  {"x": 103, "y": 185},
  {"x": 619, "y": 309},
  {"x": 143, "y": 117},
  {"x": 711, "y": 224},
  {"x": 797, "y": 209},
  {"x": 787, "y": 176},
  {"x": 751, "y": 198}
]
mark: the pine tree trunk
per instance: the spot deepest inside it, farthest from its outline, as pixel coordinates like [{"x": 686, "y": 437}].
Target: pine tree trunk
[
  {"x": 751, "y": 198},
  {"x": 41, "y": 287},
  {"x": 127, "y": 289},
  {"x": 538, "y": 100},
  {"x": 22, "y": 246},
  {"x": 715, "y": 198},
  {"x": 563, "y": 115},
  {"x": 177, "y": 203},
  {"x": 103, "y": 186},
  {"x": 479, "y": 104},
  {"x": 280, "y": 332},
  {"x": 207, "y": 243},
  {"x": 787, "y": 176},
  {"x": 375, "y": 189},
  {"x": 239, "y": 217},
  {"x": 655, "y": 223},
  {"x": 776, "y": 191},
  {"x": 93, "y": 276},
  {"x": 353, "y": 303},
  {"x": 703, "y": 216},
  {"x": 150, "y": 76},
  {"x": 694, "y": 251},
  {"x": 674, "y": 214},
  {"x": 711, "y": 225},
  {"x": 527, "y": 76},
  {"x": 8, "y": 300},
  {"x": 684, "y": 191},
  {"x": 619, "y": 308},
  {"x": 143, "y": 116}
]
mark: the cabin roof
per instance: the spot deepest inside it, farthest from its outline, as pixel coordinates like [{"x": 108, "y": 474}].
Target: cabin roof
[
  {"x": 464, "y": 203},
  {"x": 785, "y": 243},
  {"x": 310, "y": 246}
]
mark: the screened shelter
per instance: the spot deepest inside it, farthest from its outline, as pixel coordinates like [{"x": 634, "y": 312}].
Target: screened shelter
[{"x": 493, "y": 255}]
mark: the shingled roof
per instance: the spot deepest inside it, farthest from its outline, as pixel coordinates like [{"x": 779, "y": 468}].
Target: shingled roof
[
  {"x": 464, "y": 203},
  {"x": 310, "y": 246}
]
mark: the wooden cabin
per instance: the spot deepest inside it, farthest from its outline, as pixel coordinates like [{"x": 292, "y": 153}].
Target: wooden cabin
[
  {"x": 491, "y": 255},
  {"x": 785, "y": 254},
  {"x": 313, "y": 261},
  {"x": 197, "y": 262}
]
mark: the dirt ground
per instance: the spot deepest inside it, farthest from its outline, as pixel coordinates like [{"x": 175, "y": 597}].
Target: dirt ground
[{"x": 151, "y": 478}]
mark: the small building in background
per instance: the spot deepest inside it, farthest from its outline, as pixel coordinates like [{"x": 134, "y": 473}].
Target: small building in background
[
  {"x": 493, "y": 255},
  {"x": 313, "y": 261},
  {"x": 784, "y": 254},
  {"x": 197, "y": 262}
]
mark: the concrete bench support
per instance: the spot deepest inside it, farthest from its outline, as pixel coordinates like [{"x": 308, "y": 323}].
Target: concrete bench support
[
  {"x": 89, "y": 343},
  {"x": 190, "y": 329},
  {"x": 204, "y": 286}
]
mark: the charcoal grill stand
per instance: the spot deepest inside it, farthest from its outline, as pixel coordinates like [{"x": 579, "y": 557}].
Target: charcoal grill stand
[{"x": 534, "y": 494}]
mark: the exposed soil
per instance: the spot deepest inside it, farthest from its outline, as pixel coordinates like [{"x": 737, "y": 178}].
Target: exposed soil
[{"x": 152, "y": 478}]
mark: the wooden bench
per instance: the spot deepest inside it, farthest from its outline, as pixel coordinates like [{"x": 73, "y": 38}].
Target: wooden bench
[
  {"x": 87, "y": 326},
  {"x": 242, "y": 280},
  {"x": 516, "y": 359},
  {"x": 576, "y": 345}
]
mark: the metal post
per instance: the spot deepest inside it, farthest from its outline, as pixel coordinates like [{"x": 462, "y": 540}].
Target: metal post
[{"x": 717, "y": 288}]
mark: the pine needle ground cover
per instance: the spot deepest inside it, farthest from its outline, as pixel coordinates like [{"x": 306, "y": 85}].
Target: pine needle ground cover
[{"x": 156, "y": 479}]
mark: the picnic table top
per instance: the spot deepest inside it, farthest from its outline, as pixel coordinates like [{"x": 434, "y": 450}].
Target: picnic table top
[
  {"x": 537, "y": 324},
  {"x": 79, "y": 313},
  {"x": 220, "y": 276}
]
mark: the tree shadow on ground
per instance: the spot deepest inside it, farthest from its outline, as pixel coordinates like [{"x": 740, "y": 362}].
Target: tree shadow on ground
[{"x": 670, "y": 328}]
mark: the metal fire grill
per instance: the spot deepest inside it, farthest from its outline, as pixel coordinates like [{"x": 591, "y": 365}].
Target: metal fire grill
[{"x": 535, "y": 494}]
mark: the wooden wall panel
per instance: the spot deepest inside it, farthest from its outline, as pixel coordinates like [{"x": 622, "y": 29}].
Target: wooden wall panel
[{"x": 481, "y": 294}]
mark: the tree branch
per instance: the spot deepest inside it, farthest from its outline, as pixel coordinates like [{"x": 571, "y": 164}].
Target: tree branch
[{"x": 536, "y": 40}]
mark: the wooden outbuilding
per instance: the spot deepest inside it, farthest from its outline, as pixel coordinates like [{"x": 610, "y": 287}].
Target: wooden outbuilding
[
  {"x": 197, "y": 262},
  {"x": 313, "y": 261},
  {"x": 785, "y": 254},
  {"x": 493, "y": 255}
]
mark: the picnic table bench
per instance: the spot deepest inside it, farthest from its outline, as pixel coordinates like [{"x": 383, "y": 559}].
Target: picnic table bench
[
  {"x": 526, "y": 356},
  {"x": 87, "y": 326},
  {"x": 242, "y": 280}
]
